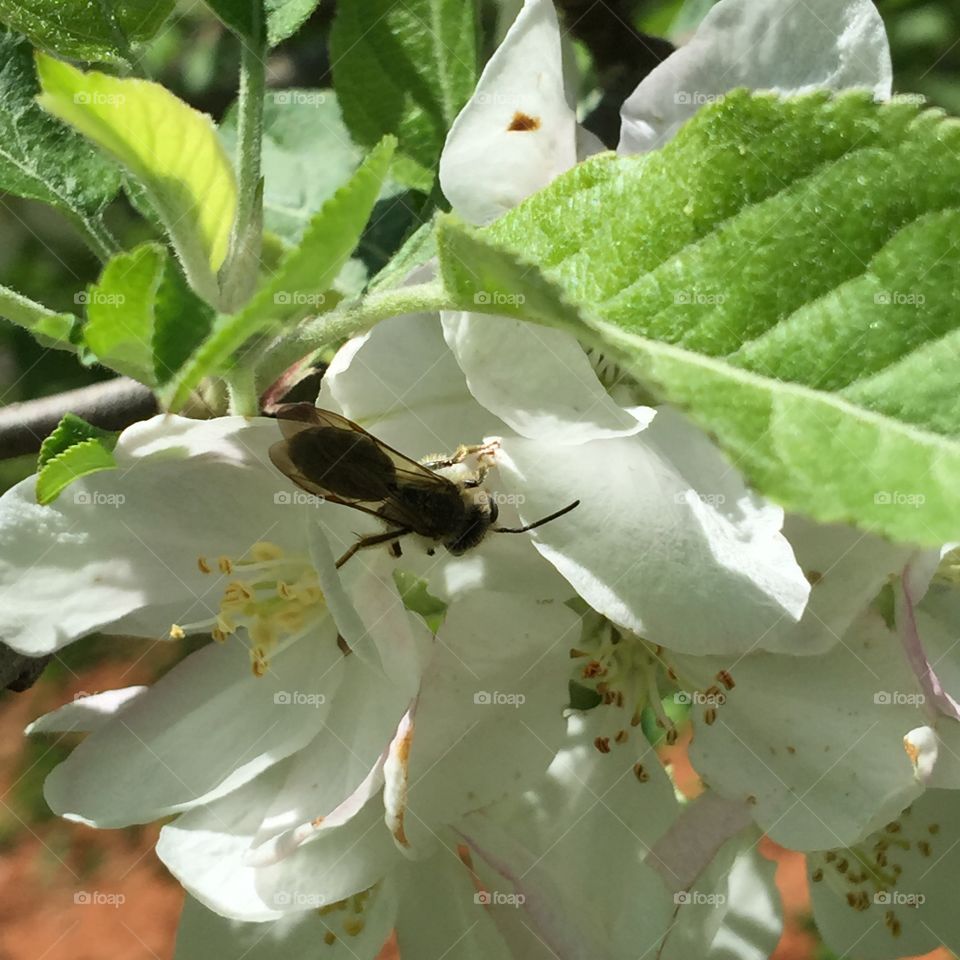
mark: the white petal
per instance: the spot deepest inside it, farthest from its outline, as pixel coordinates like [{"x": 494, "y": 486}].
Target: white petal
[
  {"x": 118, "y": 551},
  {"x": 202, "y": 730},
  {"x": 441, "y": 914},
  {"x": 847, "y": 568},
  {"x": 923, "y": 747},
  {"x": 206, "y": 848},
  {"x": 490, "y": 712},
  {"x": 369, "y": 381},
  {"x": 517, "y": 132},
  {"x": 815, "y": 744},
  {"x": 789, "y": 47},
  {"x": 579, "y": 838},
  {"x": 87, "y": 712},
  {"x": 689, "y": 557},
  {"x": 921, "y": 898},
  {"x": 330, "y": 779},
  {"x": 203, "y": 935},
  {"x": 536, "y": 379},
  {"x": 337, "y": 864}
]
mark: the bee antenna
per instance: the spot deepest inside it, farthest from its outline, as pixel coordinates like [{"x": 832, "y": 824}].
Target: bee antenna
[{"x": 541, "y": 522}]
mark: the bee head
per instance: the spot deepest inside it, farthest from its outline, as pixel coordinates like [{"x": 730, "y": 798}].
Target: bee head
[{"x": 480, "y": 514}]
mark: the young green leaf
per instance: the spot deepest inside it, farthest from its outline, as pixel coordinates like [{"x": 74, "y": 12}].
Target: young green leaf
[
  {"x": 69, "y": 431},
  {"x": 405, "y": 69},
  {"x": 42, "y": 159},
  {"x": 778, "y": 270},
  {"x": 102, "y": 31},
  {"x": 50, "y": 328},
  {"x": 74, "y": 449},
  {"x": 169, "y": 147},
  {"x": 299, "y": 126},
  {"x": 301, "y": 284},
  {"x": 142, "y": 319},
  {"x": 80, "y": 460}
]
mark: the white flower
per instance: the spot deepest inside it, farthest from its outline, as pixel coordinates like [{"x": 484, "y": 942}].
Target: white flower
[
  {"x": 688, "y": 556},
  {"x": 893, "y": 894},
  {"x": 557, "y": 872}
]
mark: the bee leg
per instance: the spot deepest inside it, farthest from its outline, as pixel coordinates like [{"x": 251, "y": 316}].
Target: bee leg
[
  {"x": 458, "y": 456},
  {"x": 372, "y": 541}
]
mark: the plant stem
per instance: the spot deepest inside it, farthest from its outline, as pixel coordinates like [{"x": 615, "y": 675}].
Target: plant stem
[
  {"x": 98, "y": 237},
  {"x": 239, "y": 274},
  {"x": 362, "y": 315},
  {"x": 241, "y": 385}
]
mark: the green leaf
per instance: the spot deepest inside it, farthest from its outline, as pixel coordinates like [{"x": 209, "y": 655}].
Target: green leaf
[
  {"x": 781, "y": 271},
  {"x": 75, "y": 449},
  {"x": 80, "y": 460},
  {"x": 172, "y": 149},
  {"x": 142, "y": 319},
  {"x": 245, "y": 17},
  {"x": 299, "y": 127},
  {"x": 405, "y": 69},
  {"x": 97, "y": 31},
  {"x": 69, "y": 431},
  {"x": 301, "y": 284},
  {"x": 50, "y": 328},
  {"x": 40, "y": 158}
]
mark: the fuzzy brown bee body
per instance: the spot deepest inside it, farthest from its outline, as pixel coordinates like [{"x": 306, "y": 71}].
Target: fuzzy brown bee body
[{"x": 334, "y": 458}]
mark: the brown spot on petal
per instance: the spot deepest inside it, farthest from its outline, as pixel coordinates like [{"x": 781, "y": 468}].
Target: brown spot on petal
[{"x": 523, "y": 123}]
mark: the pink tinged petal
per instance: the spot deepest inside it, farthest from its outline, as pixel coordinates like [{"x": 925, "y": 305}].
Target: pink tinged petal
[
  {"x": 691, "y": 559},
  {"x": 202, "y": 730},
  {"x": 685, "y": 851},
  {"x": 87, "y": 712},
  {"x": 733, "y": 909},
  {"x": 442, "y": 914},
  {"x": 542, "y": 386},
  {"x": 567, "y": 934},
  {"x": 575, "y": 843},
  {"x": 907, "y": 630},
  {"x": 118, "y": 551},
  {"x": 790, "y": 48},
  {"x": 518, "y": 130},
  {"x": 203, "y": 935}
]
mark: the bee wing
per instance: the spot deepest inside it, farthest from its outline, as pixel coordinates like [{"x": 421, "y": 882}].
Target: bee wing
[{"x": 365, "y": 475}]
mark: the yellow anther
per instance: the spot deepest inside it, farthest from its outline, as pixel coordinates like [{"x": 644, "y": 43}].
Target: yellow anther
[
  {"x": 218, "y": 635},
  {"x": 203, "y": 565},
  {"x": 353, "y": 925},
  {"x": 264, "y": 551},
  {"x": 225, "y": 564},
  {"x": 259, "y": 662},
  {"x": 176, "y": 632}
]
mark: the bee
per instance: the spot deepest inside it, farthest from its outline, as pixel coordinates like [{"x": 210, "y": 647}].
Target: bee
[{"x": 335, "y": 458}]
